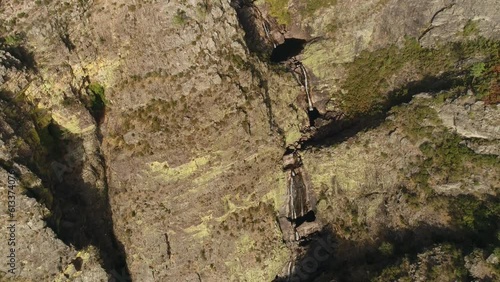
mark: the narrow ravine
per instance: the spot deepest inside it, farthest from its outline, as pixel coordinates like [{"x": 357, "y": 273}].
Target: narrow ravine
[{"x": 297, "y": 219}]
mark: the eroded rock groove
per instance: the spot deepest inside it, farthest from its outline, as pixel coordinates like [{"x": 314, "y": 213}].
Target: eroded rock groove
[{"x": 296, "y": 218}]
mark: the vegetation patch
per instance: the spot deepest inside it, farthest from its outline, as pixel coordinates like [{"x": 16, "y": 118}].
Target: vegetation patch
[
  {"x": 484, "y": 80},
  {"x": 450, "y": 267},
  {"x": 311, "y": 6},
  {"x": 14, "y": 40},
  {"x": 419, "y": 122},
  {"x": 279, "y": 10},
  {"x": 479, "y": 217},
  {"x": 368, "y": 89},
  {"x": 448, "y": 161},
  {"x": 471, "y": 28},
  {"x": 97, "y": 101},
  {"x": 180, "y": 18},
  {"x": 445, "y": 158}
]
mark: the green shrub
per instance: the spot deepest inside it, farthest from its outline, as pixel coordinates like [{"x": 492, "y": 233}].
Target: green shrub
[
  {"x": 97, "y": 105},
  {"x": 180, "y": 18},
  {"x": 484, "y": 78},
  {"x": 476, "y": 215},
  {"x": 14, "y": 40},
  {"x": 470, "y": 28},
  {"x": 386, "y": 249},
  {"x": 393, "y": 273},
  {"x": 477, "y": 69}
]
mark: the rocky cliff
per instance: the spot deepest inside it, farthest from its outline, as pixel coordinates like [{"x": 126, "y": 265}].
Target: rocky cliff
[{"x": 250, "y": 141}]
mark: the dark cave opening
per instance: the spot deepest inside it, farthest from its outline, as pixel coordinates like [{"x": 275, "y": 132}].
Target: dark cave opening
[
  {"x": 290, "y": 48},
  {"x": 313, "y": 115},
  {"x": 308, "y": 217}
]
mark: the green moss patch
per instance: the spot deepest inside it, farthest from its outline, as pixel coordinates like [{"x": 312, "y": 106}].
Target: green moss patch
[
  {"x": 279, "y": 10},
  {"x": 97, "y": 102}
]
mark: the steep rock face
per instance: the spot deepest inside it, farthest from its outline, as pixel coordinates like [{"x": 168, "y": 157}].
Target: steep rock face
[
  {"x": 472, "y": 119},
  {"x": 193, "y": 135},
  {"x": 180, "y": 177},
  {"x": 38, "y": 252},
  {"x": 193, "y": 139},
  {"x": 343, "y": 30},
  {"x": 49, "y": 129},
  {"x": 351, "y": 27}
]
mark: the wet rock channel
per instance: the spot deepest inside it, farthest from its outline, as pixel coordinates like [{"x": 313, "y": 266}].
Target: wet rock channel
[{"x": 296, "y": 218}]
